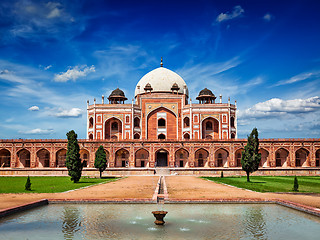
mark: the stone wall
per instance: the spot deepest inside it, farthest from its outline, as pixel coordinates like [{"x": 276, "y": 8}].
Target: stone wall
[
  {"x": 170, "y": 171},
  {"x": 278, "y": 153}
]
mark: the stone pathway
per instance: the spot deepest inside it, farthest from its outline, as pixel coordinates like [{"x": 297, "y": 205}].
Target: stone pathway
[
  {"x": 142, "y": 188},
  {"x": 130, "y": 188},
  {"x": 193, "y": 188}
]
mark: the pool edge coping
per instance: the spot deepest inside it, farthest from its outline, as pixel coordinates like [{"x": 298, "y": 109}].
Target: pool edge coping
[
  {"x": 23, "y": 207},
  {"x": 293, "y": 205}
]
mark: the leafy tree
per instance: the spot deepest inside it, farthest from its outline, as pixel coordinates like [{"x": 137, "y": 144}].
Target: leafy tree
[
  {"x": 73, "y": 161},
  {"x": 250, "y": 156},
  {"x": 100, "y": 160},
  {"x": 28, "y": 184},
  {"x": 295, "y": 184}
]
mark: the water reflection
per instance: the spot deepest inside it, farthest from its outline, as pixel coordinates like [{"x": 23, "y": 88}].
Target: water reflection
[
  {"x": 254, "y": 223},
  {"x": 71, "y": 222},
  {"x": 184, "y": 221}
]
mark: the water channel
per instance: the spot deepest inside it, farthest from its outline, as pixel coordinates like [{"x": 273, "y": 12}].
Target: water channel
[{"x": 183, "y": 221}]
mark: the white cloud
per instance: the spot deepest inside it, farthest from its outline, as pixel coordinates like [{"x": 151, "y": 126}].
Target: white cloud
[
  {"x": 198, "y": 75},
  {"x": 47, "y": 67},
  {"x": 5, "y": 71},
  {"x": 253, "y": 82},
  {"x": 71, "y": 113},
  {"x": 237, "y": 12},
  {"x": 32, "y": 19},
  {"x": 74, "y": 73},
  {"x": 215, "y": 77},
  {"x": 276, "y": 107},
  {"x": 53, "y": 9},
  {"x": 37, "y": 131},
  {"x": 299, "y": 77},
  {"x": 33, "y": 108},
  {"x": 268, "y": 17}
]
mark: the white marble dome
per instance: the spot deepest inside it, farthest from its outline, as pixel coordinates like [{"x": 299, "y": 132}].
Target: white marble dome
[{"x": 161, "y": 80}]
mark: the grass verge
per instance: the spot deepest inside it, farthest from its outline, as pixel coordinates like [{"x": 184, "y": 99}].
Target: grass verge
[
  {"x": 307, "y": 184},
  {"x": 47, "y": 184}
]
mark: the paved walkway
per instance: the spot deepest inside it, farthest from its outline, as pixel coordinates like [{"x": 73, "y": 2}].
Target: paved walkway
[
  {"x": 193, "y": 188},
  {"x": 127, "y": 188},
  {"x": 143, "y": 187}
]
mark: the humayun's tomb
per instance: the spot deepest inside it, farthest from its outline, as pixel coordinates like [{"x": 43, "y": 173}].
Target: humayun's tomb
[{"x": 163, "y": 128}]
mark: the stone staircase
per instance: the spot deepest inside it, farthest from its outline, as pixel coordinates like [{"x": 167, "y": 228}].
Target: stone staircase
[{"x": 162, "y": 171}]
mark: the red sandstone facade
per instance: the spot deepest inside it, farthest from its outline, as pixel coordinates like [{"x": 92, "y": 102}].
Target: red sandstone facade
[
  {"x": 276, "y": 153},
  {"x": 162, "y": 127}
]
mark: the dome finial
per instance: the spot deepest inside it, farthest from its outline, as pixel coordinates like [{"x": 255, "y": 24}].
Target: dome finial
[{"x": 161, "y": 64}]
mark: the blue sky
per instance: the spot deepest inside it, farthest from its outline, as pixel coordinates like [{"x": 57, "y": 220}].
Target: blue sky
[{"x": 54, "y": 55}]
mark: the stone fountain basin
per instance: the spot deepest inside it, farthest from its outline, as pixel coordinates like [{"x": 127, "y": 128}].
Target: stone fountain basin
[{"x": 159, "y": 215}]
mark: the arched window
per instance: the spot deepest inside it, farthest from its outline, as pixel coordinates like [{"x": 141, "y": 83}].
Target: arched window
[
  {"x": 161, "y": 136},
  {"x": 298, "y": 160},
  {"x": 90, "y": 136},
  {"x": 278, "y": 160},
  {"x": 136, "y": 122},
  {"x": 136, "y": 136},
  {"x": 209, "y": 126},
  {"x": 123, "y": 155},
  {"x": 232, "y": 121},
  {"x": 220, "y": 156},
  {"x": 181, "y": 155},
  {"x": 85, "y": 156},
  {"x": 233, "y": 136},
  {"x": 186, "y": 122},
  {"x": 161, "y": 123},
  {"x": 186, "y": 136},
  {"x": 114, "y": 126},
  {"x": 91, "y": 122},
  {"x": 200, "y": 155}
]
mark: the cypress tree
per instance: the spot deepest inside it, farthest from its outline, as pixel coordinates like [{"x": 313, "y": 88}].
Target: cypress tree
[
  {"x": 100, "y": 161},
  {"x": 295, "y": 184},
  {"x": 221, "y": 174},
  {"x": 250, "y": 156},
  {"x": 28, "y": 184},
  {"x": 73, "y": 161}
]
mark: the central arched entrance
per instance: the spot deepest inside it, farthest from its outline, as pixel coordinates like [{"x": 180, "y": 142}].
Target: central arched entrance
[{"x": 162, "y": 158}]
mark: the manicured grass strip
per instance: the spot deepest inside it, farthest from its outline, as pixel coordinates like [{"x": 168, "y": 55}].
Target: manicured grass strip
[
  {"x": 46, "y": 184},
  {"x": 271, "y": 184}
]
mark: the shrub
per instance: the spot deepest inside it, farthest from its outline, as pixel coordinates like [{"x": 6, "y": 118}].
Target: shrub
[
  {"x": 28, "y": 184},
  {"x": 73, "y": 161},
  {"x": 295, "y": 184}
]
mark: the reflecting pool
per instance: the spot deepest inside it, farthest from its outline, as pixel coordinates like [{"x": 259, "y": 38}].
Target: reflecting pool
[{"x": 183, "y": 221}]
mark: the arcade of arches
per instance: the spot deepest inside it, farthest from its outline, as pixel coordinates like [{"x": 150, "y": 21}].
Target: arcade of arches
[{"x": 174, "y": 157}]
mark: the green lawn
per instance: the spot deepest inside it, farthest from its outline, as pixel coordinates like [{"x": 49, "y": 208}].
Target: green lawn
[
  {"x": 46, "y": 184},
  {"x": 271, "y": 183}
]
